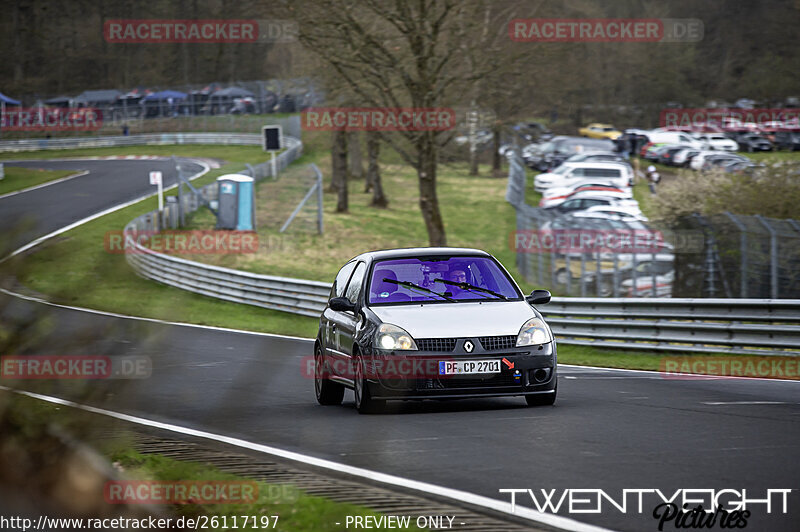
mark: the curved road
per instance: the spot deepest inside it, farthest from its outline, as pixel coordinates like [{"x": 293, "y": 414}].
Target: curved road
[{"x": 610, "y": 430}]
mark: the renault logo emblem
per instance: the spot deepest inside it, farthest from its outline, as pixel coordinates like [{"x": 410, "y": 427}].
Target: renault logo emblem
[{"x": 468, "y": 346}]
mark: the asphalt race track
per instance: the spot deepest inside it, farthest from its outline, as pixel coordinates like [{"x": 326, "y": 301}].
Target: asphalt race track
[
  {"x": 108, "y": 183},
  {"x": 610, "y": 430}
]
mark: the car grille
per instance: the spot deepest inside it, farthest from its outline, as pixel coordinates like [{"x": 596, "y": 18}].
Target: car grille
[
  {"x": 497, "y": 343},
  {"x": 436, "y": 344},
  {"x": 504, "y": 379}
]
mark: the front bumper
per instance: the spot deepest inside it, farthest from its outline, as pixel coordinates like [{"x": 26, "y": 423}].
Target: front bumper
[{"x": 534, "y": 372}]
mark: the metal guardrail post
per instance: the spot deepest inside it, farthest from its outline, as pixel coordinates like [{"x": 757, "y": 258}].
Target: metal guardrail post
[{"x": 773, "y": 256}]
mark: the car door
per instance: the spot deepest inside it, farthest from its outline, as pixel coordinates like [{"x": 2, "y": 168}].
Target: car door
[
  {"x": 344, "y": 323},
  {"x": 329, "y": 320}
]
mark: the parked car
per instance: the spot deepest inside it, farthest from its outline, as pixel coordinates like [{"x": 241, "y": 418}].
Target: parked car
[
  {"x": 717, "y": 142},
  {"x": 665, "y": 155},
  {"x": 787, "y": 140},
  {"x": 642, "y": 285},
  {"x": 673, "y": 137},
  {"x": 684, "y": 157},
  {"x": 653, "y": 153},
  {"x": 455, "y": 316},
  {"x": 614, "y": 174},
  {"x": 753, "y": 142},
  {"x": 556, "y": 195},
  {"x": 605, "y": 192},
  {"x": 585, "y": 200},
  {"x": 596, "y": 156},
  {"x": 599, "y": 131},
  {"x": 717, "y": 161},
  {"x": 623, "y": 213},
  {"x": 699, "y": 161}
]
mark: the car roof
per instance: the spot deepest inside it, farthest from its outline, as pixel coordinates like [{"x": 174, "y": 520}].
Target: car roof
[
  {"x": 595, "y": 164},
  {"x": 404, "y": 253}
]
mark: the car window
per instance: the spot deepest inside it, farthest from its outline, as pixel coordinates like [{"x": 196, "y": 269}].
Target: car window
[
  {"x": 577, "y": 172},
  {"x": 354, "y": 286},
  {"x": 428, "y": 274},
  {"x": 602, "y": 172},
  {"x": 340, "y": 283}
]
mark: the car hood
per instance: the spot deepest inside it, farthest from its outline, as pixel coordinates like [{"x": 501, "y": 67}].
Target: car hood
[{"x": 458, "y": 320}]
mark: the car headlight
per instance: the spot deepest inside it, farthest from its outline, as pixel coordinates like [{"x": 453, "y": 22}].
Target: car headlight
[
  {"x": 392, "y": 337},
  {"x": 534, "y": 332}
]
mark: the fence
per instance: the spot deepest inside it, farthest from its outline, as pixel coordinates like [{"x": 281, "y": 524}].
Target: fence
[{"x": 716, "y": 256}]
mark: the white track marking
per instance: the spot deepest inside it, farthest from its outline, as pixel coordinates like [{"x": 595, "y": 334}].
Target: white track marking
[
  {"x": 41, "y": 239},
  {"x": 53, "y": 182},
  {"x": 719, "y": 403},
  {"x": 530, "y": 514}
]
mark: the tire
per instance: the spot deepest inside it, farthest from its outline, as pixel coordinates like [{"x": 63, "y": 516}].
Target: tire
[
  {"x": 562, "y": 275},
  {"x": 542, "y": 399},
  {"x": 328, "y": 392},
  {"x": 365, "y": 404}
]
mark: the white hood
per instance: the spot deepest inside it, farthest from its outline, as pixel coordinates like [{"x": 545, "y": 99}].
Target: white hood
[{"x": 458, "y": 320}]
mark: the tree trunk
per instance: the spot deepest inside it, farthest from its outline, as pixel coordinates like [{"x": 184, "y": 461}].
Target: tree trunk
[
  {"x": 339, "y": 169},
  {"x": 428, "y": 201},
  {"x": 356, "y": 162},
  {"x": 497, "y": 160},
  {"x": 374, "y": 172}
]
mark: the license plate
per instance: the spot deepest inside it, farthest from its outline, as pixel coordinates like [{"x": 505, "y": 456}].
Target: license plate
[{"x": 468, "y": 367}]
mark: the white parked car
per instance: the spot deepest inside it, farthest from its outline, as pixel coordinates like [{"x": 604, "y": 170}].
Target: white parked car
[
  {"x": 643, "y": 285},
  {"x": 562, "y": 194},
  {"x": 673, "y": 137},
  {"x": 623, "y": 213},
  {"x": 715, "y": 141},
  {"x": 586, "y": 200},
  {"x": 699, "y": 159},
  {"x": 569, "y": 174}
]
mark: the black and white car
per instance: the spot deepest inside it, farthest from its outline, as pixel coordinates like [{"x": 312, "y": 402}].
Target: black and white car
[{"x": 432, "y": 323}]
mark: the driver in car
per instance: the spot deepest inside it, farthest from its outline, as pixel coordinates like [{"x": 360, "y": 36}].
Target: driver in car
[{"x": 456, "y": 275}]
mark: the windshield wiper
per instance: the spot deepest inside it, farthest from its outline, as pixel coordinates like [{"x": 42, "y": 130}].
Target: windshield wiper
[
  {"x": 467, "y": 286},
  {"x": 413, "y": 286}
]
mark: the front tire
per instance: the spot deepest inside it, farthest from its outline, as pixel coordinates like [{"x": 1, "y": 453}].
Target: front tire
[
  {"x": 365, "y": 404},
  {"x": 328, "y": 392},
  {"x": 548, "y": 399}
]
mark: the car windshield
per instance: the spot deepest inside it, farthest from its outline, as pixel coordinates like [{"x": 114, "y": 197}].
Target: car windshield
[
  {"x": 460, "y": 278},
  {"x": 561, "y": 169}
]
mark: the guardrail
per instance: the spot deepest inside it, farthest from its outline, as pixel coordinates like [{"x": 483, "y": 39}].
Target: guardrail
[
  {"x": 743, "y": 326},
  {"x": 130, "y": 140}
]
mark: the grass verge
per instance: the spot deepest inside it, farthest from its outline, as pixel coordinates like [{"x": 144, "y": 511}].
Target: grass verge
[
  {"x": 292, "y": 509},
  {"x": 17, "y": 178}
]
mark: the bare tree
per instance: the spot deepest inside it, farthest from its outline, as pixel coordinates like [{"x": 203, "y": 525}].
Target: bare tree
[
  {"x": 391, "y": 55},
  {"x": 374, "y": 171},
  {"x": 355, "y": 159},
  {"x": 339, "y": 169}
]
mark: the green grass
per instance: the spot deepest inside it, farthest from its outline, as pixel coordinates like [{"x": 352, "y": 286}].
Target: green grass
[
  {"x": 17, "y": 178},
  {"x": 230, "y": 153},
  {"x": 296, "y": 510}
]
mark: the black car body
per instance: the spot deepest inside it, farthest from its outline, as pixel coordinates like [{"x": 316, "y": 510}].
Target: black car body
[{"x": 371, "y": 301}]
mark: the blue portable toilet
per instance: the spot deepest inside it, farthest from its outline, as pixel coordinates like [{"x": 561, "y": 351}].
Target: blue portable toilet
[{"x": 236, "y": 204}]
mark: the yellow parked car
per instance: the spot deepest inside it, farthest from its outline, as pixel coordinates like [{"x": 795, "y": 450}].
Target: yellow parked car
[{"x": 599, "y": 131}]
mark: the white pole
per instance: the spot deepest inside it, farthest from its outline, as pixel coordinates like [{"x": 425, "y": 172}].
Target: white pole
[{"x": 274, "y": 166}]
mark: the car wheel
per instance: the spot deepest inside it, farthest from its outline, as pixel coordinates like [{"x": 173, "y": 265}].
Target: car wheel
[
  {"x": 328, "y": 392},
  {"x": 606, "y": 289},
  {"x": 562, "y": 276},
  {"x": 543, "y": 399},
  {"x": 365, "y": 404}
]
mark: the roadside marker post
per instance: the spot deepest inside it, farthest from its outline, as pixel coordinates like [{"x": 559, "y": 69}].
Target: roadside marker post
[{"x": 157, "y": 179}]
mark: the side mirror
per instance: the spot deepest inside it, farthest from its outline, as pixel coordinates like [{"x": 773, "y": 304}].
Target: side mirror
[
  {"x": 341, "y": 304},
  {"x": 538, "y": 297}
]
